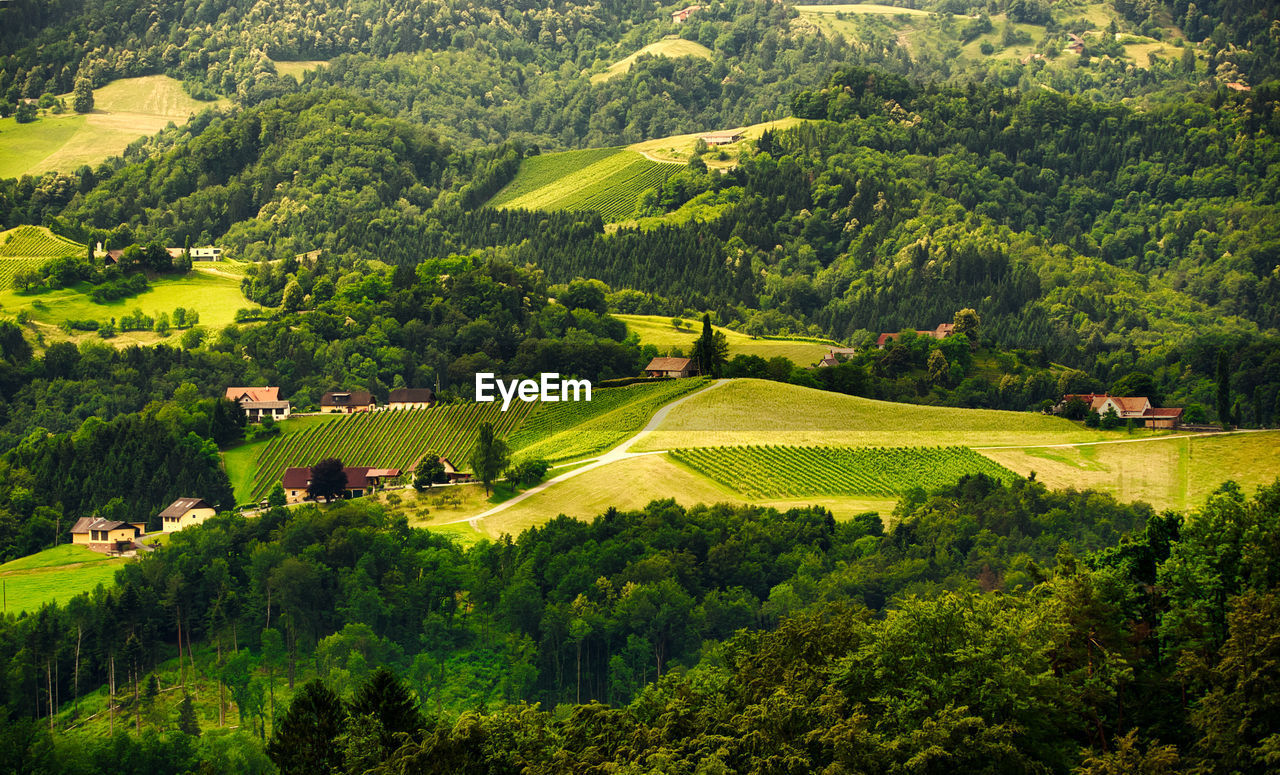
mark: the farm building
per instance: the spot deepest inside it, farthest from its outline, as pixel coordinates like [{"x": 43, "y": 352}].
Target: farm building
[
  {"x": 259, "y": 402},
  {"x": 451, "y": 471},
  {"x": 185, "y": 512},
  {"x": 671, "y": 367},
  {"x": 198, "y": 254},
  {"x": 347, "y": 402},
  {"x": 1136, "y": 408},
  {"x": 941, "y": 332},
  {"x": 411, "y": 398},
  {"x": 827, "y": 361},
  {"x": 107, "y": 536},
  {"x": 361, "y": 480},
  {"x": 682, "y": 16},
  {"x": 836, "y": 355},
  {"x": 1076, "y": 44},
  {"x": 721, "y": 138}
]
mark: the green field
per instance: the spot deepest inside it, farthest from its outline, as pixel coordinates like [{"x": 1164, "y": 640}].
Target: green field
[
  {"x": 754, "y": 412},
  {"x": 565, "y": 431},
  {"x": 671, "y": 47},
  {"x": 383, "y": 439},
  {"x": 1176, "y": 472},
  {"x": 215, "y": 296},
  {"x": 607, "y": 180},
  {"x": 124, "y": 111},
  {"x": 298, "y": 67},
  {"x": 872, "y": 8},
  {"x": 658, "y": 331},
  {"x": 54, "y": 575},
  {"x": 779, "y": 472}
]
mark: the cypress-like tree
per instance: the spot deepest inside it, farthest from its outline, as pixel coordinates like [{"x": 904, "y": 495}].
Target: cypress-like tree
[
  {"x": 386, "y": 698},
  {"x": 490, "y": 456},
  {"x": 303, "y": 743},
  {"x": 187, "y": 716}
]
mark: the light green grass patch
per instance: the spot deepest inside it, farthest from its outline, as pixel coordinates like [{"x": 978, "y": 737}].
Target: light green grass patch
[
  {"x": 750, "y": 411},
  {"x": 872, "y": 8},
  {"x": 124, "y": 110},
  {"x": 63, "y": 554},
  {"x": 671, "y": 47},
  {"x": 215, "y": 297},
  {"x": 298, "y": 67},
  {"x": 658, "y": 331},
  {"x": 677, "y": 149},
  {"x": 1175, "y": 472},
  {"x": 28, "y": 590}
]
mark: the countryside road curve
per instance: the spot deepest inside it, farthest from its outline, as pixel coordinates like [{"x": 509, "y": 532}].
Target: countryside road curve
[{"x": 619, "y": 452}]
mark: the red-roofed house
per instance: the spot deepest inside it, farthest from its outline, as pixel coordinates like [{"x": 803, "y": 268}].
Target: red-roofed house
[
  {"x": 1137, "y": 408},
  {"x": 943, "y": 331},
  {"x": 682, "y": 16},
  {"x": 361, "y": 480},
  {"x": 259, "y": 402}
]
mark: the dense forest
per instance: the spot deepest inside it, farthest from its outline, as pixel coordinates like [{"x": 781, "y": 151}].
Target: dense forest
[{"x": 991, "y": 627}]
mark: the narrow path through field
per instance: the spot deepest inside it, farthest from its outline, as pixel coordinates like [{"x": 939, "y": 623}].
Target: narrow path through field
[
  {"x": 1126, "y": 441},
  {"x": 659, "y": 159},
  {"x": 620, "y": 452}
]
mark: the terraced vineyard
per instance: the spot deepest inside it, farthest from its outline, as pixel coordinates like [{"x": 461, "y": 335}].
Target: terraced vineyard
[
  {"x": 607, "y": 180},
  {"x": 784, "y": 472},
  {"x": 385, "y": 439},
  {"x": 36, "y": 242},
  {"x": 564, "y": 431}
]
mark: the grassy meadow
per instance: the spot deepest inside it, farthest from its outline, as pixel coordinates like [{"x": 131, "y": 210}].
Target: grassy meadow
[
  {"x": 123, "y": 111},
  {"x": 54, "y": 575},
  {"x": 658, "y": 331},
  {"x": 298, "y": 67},
  {"x": 671, "y": 47}
]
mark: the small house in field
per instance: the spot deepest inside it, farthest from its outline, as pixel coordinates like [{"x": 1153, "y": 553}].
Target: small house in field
[
  {"x": 347, "y": 402},
  {"x": 671, "y": 367},
  {"x": 411, "y": 398},
  {"x": 361, "y": 480},
  {"x": 185, "y": 512},
  {"x": 452, "y": 473},
  {"x": 1136, "y": 408},
  {"x": 198, "y": 254},
  {"x": 682, "y": 16},
  {"x": 721, "y": 138},
  {"x": 105, "y": 535},
  {"x": 259, "y": 402}
]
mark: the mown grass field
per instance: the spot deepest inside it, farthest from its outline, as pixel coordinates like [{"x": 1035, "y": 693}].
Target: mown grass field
[
  {"x": 216, "y": 297},
  {"x": 755, "y": 412},
  {"x": 54, "y": 575},
  {"x": 658, "y": 331},
  {"x": 565, "y": 431},
  {"x": 671, "y": 47},
  {"x": 607, "y": 180},
  {"x": 298, "y": 67},
  {"x": 1176, "y": 472},
  {"x": 383, "y": 439},
  {"x": 678, "y": 148},
  {"x": 779, "y": 472},
  {"x": 124, "y": 110}
]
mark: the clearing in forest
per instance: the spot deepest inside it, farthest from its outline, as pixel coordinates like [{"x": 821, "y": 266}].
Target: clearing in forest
[
  {"x": 659, "y": 332},
  {"x": 671, "y": 47},
  {"x": 607, "y": 180}
]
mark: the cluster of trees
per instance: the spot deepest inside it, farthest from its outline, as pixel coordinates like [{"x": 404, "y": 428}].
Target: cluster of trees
[{"x": 1045, "y": 630}]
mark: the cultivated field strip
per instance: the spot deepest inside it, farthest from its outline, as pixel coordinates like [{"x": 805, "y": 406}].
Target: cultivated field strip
[
  {"x": 12, "y": 266},
  {"x": 387, "y": 439},
  {"x": 565, "y": 431},
  {"x": 784, "y": 472},
  {"x": 607, "y": 180},
  {"x": 35, "y": 242}
]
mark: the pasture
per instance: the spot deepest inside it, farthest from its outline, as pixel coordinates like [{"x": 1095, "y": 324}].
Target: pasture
[
  {"x": 607, "y": 180},
  {"x": 565, "y": 431},
  {"x": 298, "y": 67},
  {"x": 780, "y": 472},
  {"x": 671, "y": 47},
  {"x": 216, "y": 297},
  {"x": 124, "y": 110},
  {"x": 756, "y": 412},
  {"x": 658, "y": 331},
  {"x": 677, "y": 149},
  {"x": 54, "y": 575},
  {"x": 385, "y": 439},
  {"x": 1175, "y": 472}
]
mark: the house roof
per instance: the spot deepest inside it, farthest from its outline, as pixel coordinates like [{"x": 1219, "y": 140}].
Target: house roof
[
  {"x": 883, "y": 338},
  {"x": 183, "y": 505},
  {"x": 828, "y": 361},
  {"x": 253, "y": 393},
  {"x": 85, "y": 524},
  {"x": 296, "y": 478},
  {"x": 1169, "y": 412},
  {"x": 669, "y": 364},
  {"x": 722, "y": 136},
  {"x": 411, "y": 396},
  {"x": 357, "y": 476},
  {"x": 347, "y": 398},
  {"x": 843, "y": 351},
  {"x": 1125, "y": 404}
]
